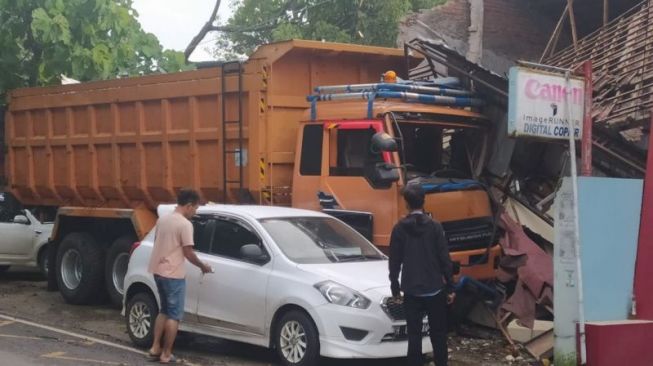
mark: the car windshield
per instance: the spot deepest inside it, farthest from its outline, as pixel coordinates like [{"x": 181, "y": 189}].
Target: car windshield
[{"x": 307, "y": 240}]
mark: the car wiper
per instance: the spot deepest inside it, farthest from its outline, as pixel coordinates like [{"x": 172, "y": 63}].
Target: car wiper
[
  {"x": 352, "y": 258},
  {"x": 332, "y": 254}
]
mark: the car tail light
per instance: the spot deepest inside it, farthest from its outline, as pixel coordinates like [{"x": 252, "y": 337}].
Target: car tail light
[{"x": 134, "y": 246}]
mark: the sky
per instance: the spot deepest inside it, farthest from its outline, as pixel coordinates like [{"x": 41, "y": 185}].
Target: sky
[{"x": 176, "y": 22}]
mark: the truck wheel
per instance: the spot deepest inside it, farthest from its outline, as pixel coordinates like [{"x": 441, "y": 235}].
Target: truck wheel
[
  {"x": 296, "y": 340},
  {"x": 116, "y": 268},
  {"x": 141, "y": 311},
  {"x": 80, "y": 264}
]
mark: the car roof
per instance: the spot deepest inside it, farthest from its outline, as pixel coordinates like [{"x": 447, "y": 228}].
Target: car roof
[{"x": 253, "y": 211}]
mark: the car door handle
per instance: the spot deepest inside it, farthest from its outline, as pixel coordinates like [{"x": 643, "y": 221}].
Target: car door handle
[{"x": 38, "y": 232}]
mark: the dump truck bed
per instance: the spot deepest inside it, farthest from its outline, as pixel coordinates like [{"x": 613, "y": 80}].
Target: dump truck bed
[{"x": 132, "y": 142}]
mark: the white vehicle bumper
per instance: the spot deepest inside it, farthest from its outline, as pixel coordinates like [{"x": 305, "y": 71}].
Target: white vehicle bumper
[
  {"x": 346, "y": 349},
  {"x": 333, "y": 343}
]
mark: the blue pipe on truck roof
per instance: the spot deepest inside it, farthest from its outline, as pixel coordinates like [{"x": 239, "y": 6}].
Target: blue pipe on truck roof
[
  {"x": 448, "y": 82},
  {"x": 392, "y": 87},
  {"x": 413, "y": 97}
]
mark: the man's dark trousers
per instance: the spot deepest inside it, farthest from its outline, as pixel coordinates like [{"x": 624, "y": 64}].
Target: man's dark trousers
[{"x": 435, "y": 307}]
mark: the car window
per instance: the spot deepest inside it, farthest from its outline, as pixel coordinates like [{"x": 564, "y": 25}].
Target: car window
[
  {"x": 230, "y": 236},
  {"x": 8, "y": 207},
  {"x": 203, "y": 232}
]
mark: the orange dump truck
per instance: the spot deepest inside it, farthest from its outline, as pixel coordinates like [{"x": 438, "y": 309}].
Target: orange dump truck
[{"x": 107, "y": 153}]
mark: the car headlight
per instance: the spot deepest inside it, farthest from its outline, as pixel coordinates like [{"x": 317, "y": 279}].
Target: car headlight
[{"x": 341, "y": 295}]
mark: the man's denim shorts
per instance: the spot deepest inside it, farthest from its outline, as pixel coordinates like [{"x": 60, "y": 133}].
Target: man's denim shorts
[{"x": 172, "y": 292}]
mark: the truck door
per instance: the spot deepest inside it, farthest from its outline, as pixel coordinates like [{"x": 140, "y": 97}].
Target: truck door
[{"x": 348, "y": 150}]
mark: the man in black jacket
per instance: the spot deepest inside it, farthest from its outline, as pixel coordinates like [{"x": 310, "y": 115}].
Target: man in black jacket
[{"x": 419, "y": 249}]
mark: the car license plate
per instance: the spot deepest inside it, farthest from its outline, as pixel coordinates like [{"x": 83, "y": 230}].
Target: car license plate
[{"x": 401, "y": 331}]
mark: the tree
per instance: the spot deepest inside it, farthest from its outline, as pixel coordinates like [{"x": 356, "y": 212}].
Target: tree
[
  {"x": 83, "y": 39},
  {"x": 370, "y": 22}
]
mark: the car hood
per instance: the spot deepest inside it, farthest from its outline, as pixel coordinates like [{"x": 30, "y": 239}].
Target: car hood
[{"x": 359, "y": 276}]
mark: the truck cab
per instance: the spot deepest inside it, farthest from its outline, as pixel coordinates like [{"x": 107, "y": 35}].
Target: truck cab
[{"x": 344, "y": 168}]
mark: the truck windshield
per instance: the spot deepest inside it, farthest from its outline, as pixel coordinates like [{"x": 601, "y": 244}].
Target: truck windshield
[
  {"x": 309, "y": 240},
  {"x": 430, "y": 151}
]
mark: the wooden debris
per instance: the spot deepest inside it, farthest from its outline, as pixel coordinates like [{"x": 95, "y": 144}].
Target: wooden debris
[
  {"x": 513, "y": 347},
  {"x": 541, "y": 346}
]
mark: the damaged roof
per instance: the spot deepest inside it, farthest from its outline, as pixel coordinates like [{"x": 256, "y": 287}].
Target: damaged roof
[{"x": 623, "y": 72}]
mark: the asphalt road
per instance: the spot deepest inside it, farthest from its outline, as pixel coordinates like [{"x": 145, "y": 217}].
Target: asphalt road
[
  {"x": 24, "y": 344},
  {"x": 57, "y": 333},
  {"x": 23, "y": 296}
]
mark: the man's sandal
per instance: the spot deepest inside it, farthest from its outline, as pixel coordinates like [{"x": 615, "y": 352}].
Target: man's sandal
[
  {"x": 153, "y": 357},
  {"x": 172, "y": 359}
]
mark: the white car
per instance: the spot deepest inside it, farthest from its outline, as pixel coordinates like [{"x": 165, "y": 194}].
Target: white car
[
  {"x": 301, "y": 282},
  {"x": 23, "y": 241}
]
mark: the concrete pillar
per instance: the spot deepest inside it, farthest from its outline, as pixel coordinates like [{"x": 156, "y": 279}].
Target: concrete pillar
[{"x": 475, "y": 37}]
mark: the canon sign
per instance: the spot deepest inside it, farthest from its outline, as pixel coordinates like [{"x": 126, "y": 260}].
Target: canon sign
[
  {"x": 541, "y": 104},
  {"x": 534, "y": 89}
]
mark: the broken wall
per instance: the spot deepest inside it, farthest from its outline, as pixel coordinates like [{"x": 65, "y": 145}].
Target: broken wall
[{"x": 505, "y": 30}]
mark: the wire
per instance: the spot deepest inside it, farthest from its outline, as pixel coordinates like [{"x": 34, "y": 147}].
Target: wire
[{"x": 215, "y": 39}]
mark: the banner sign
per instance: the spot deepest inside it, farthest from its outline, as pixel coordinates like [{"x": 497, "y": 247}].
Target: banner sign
[{"x": 541, "y": 104}]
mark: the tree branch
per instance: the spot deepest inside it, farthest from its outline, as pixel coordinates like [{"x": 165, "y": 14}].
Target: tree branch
[{"x": 205, "y": 29}]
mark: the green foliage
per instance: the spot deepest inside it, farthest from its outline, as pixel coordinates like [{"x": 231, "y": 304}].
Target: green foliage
[
  {"x": 565, "y": 359},
  {"x": 83, "y": 39},
  {"x": 371, "y": 22}
]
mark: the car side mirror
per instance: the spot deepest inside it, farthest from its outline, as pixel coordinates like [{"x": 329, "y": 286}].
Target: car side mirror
[
  {"x": 381, "y": 141},
  {"x": 381, "y": 175},
  {"x": 21, "y": 219},
  {"x": 253, "y": 253}
]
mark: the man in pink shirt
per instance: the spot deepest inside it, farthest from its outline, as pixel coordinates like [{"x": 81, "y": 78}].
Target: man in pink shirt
[{"x": 173, "y": 244}]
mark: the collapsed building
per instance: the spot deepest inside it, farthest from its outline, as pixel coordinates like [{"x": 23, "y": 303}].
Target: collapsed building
[
  {"x": 496, "y": 33},
  {"x": 478, "y": 41}
]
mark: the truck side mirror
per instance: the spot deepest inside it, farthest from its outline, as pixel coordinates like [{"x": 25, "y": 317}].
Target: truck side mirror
[
  {"x": 381, "y": 141},
  {"x": 381, "y": 175}
]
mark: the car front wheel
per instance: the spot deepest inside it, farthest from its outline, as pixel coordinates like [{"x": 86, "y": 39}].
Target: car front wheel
[
  {"x": 141, "y": 312},
  {"x": 296, "y": 340}
]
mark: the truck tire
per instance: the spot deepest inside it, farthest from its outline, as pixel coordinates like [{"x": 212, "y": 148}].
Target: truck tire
[
  {"x": 116, "y": 268},
  {"x": 4, "y": 269},
  {"x": 80, "y": 269}
]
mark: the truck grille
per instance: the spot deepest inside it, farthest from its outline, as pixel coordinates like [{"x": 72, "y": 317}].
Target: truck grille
[
  {"x": 469, "y": 234},
  {"x": 394, "y": 309}
]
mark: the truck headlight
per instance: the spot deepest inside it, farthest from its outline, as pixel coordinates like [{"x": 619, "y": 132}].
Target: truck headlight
[{"x": 340, "y": 295}]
